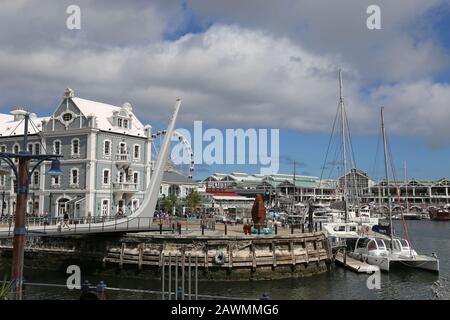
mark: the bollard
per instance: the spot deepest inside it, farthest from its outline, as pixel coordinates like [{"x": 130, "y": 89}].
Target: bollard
[
  {"x": 180, "y": 294},
  {"x": 160, "y": 228},
  {"x": 320, "y": 223},
  {"x": 225, "y": 228},
  {"x": 203, "y": 228},
  {"x": 315, "y": 226},
  {"x": 101, "y": 293},
  {"x": 179, "y": 228},
  {"x": 86, "y": 294},
  {"x": 276, "y": 228},
  {"x": 265, "y": 296},
  {"x": 303, "y": 228},
  {"x": 292, "y": 229}
]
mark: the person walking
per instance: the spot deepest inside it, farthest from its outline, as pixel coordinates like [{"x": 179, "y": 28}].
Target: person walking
[
  {"x": 45, "y": 218},
  {"x": 66, "y": 220}
]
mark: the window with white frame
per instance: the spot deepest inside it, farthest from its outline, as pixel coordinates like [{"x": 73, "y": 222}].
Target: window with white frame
[
  {"x": 136, "y": 178},
  {"x": 16, "y": 149},
  {"x": 119, "y": 123},
  {"x": 36, "y": 178},
  {"x": 37, "y": 148},
  {"x": 2, "y": 180},
  {"x": 107, "y": 148},
  {"x": 56, "y": 181},
  {"x": 105, "y": 207},
  {"x": 74, "y": 176},
  {"x": 57, "y": 147},
  {"x": 122, "y": 148},
  {"x": 125, "y": 123},
  {"x": 30, "y": 148},
  {"x": 75, "y": 147},
  {"x": 106, "y": 176},
  {"x": 3, "y": 148},
  {"x": 136, "y": 151}
]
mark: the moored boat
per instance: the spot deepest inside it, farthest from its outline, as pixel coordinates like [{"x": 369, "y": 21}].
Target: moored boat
[
  {"x": 439, "y": 214},
  {"x": 385, "y": 253}
]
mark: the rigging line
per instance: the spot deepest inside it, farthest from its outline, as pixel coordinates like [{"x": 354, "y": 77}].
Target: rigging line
[
  {"x": 404, "y": 224},
  {"x": 350, "y": 142},
  {"x": 39, "y": 133},
  {"x": 352, "y": 158},
  {"x": 329, "y": 143},
  {"x": 10, "y": 135},
  {"x": 335, "y": 164},
  {"x": 376, "y": 155}
]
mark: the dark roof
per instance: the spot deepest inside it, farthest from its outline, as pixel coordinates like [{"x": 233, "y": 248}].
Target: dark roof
[{"x": 174, "y": 177}]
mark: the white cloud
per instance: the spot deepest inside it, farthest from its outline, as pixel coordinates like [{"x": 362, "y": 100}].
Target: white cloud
[{"x": 255, "y": 74}]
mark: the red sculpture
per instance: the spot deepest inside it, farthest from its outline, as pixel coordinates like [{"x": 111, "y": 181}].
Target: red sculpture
[{"x": 259, "y": 211}]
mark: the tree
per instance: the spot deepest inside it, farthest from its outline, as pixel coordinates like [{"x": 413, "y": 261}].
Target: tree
[
  {"x": 168, "y": 203},
  {"x": 193, "y": 200}
]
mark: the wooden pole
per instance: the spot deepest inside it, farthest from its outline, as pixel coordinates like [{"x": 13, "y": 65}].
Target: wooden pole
[{"x": 19, "y": 229}]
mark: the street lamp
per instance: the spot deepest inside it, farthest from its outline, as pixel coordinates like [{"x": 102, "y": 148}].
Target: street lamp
[
  {"x": 23, "y": 176},
  {"x": 3, "y": 173},
  {"x": 49, "y": 217}
]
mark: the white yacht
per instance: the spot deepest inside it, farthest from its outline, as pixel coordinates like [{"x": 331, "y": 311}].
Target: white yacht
[{"x": 384, "y": 253}]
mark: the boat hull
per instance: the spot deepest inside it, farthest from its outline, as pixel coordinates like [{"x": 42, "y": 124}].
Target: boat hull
[
  {"x": 386, "y": 263},
  {"x": 418, "y": 262},
  {"x": 439, "y": 218}
]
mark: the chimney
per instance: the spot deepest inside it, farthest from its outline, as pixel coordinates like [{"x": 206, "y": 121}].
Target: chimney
[
  {"x": 19, "y": 113},
  {"x": 69, "y": 93}
]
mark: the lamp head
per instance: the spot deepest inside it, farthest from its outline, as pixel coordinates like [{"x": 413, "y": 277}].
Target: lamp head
[{"x": 55, "y": 169}]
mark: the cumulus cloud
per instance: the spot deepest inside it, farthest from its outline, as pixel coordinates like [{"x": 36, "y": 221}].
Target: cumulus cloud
[
  {"x": 265, "y": 72},
  {"x": 339, "y": 27}
]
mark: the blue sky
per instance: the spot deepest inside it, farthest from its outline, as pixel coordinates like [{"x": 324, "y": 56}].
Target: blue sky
[{"x": 247, "y": 64}]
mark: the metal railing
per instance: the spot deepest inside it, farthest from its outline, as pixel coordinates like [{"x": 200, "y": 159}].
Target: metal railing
[
  {"x": 41, "y": 226},
  {"x": 125, "y": 186},
  {"x": 122, "y": 157},
  {"x": 162, "y": 294}
]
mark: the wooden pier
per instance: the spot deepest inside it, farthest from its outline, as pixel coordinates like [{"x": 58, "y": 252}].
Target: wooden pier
[
  {"x": 227, "y": 257},
  {"x": 353, "y": 264}
]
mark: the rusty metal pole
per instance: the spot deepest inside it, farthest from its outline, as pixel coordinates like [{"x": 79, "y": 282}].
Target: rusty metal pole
[{"x": 19, "y": 229}]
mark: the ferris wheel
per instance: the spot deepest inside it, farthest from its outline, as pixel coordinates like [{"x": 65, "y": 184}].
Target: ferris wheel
[{"x": 181, "y": 157}]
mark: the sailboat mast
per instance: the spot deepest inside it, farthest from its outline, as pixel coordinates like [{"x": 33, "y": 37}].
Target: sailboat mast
[
  {"x": 344, "y": 147},
  {"x": 295, "y": 189},
  {"x": 406, "y": 189},
  {"x": 387, "y": 175}
]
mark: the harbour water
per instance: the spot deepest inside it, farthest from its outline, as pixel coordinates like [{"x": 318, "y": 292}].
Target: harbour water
[{"x": 403, "y": 283}]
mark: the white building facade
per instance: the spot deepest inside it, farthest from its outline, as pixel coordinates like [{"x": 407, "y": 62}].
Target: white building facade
[{"x": 106, "y": 159}]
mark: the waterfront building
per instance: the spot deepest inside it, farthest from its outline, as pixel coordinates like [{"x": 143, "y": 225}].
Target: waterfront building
[
  {"x": 106, "y": 158},
  {"x": 415, "y": 192},
  {"x": 356, "y": 181},
  {"x": 277, "y": 189},
  {"x": 176, "y": 184}
]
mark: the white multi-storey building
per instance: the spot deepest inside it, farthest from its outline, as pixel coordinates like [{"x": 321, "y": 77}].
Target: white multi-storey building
[{"x": 106, "y": 158}]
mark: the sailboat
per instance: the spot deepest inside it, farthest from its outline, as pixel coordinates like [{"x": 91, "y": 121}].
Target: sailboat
[
  {"x": 345, "y": 219},
  {"x": 384, "y": 251}
]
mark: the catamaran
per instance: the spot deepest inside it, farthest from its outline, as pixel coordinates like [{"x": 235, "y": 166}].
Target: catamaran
[{"x": 384, "y": 251}]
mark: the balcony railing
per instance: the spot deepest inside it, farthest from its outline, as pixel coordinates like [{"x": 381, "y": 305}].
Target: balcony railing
[
  {"x": 125, "y": 186},
  {"x": 122, "y": 157}
]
